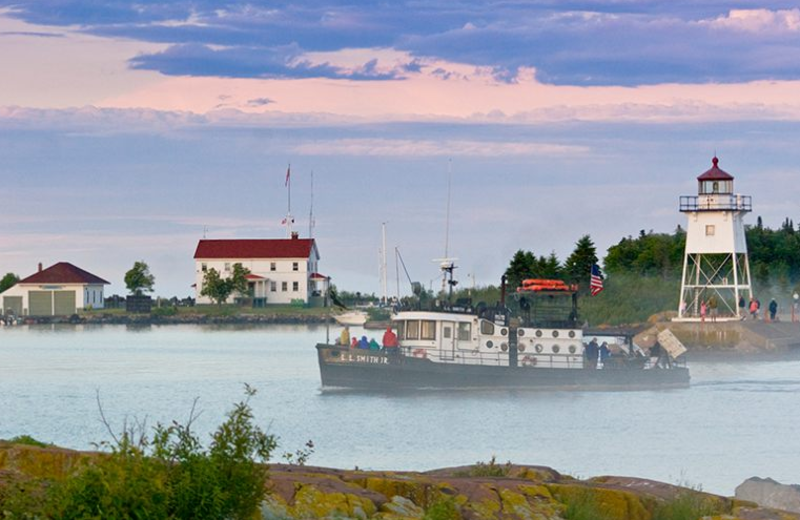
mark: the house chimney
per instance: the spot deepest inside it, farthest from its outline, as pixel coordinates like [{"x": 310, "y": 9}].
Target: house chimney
[
  {"x": 40, "y": 267},
  {"x": 295, "y": 235}
]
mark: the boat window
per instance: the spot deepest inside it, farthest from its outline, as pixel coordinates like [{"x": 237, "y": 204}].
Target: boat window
[
  {"x": 487, "y": 327},
  {"x": 401, "y": 329},
  {"x": 447, "y": 332},
  {"x": 464, "y": 331},
  {"x": 412, "y": 329},
  {"x": 428, "y": 330}
]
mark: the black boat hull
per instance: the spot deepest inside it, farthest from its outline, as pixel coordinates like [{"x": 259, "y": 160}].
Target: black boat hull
[{"x": 361, "y": 369}]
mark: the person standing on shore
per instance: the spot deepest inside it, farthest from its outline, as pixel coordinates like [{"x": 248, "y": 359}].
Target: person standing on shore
[
  {"x": 703, "y": 310},
  {"x": 753, "y": 308},
  {"x": 773, "y": 309},
  {"x": 712, "y": 308}
]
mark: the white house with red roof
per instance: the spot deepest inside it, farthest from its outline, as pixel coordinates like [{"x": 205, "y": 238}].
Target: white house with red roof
[
  {"x": 59, "y": 290},
  {"x": 282, "y": 271}
]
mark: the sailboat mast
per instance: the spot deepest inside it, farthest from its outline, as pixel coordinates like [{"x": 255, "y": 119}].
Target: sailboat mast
[{"x": 383, "y": 263}]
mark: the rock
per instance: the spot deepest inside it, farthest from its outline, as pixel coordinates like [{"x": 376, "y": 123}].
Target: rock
[
  {"x": 769, "y": 493},
  {"x": 401, "y": 508}
]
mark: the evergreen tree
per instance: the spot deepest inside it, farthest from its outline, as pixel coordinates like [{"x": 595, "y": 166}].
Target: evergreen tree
[{"x": 578, "y": 267}]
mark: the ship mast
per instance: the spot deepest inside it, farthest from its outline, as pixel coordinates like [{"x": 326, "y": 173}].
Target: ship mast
[
  {"x": 383, "y": 264},
  {"x": 447, "y": 265}
]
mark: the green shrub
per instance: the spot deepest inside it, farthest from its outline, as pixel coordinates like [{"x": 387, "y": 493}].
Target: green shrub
[
  {"x": 168, "y": 475},
  {"x": 487, "y": 469},
  {"x": 28, "y": 441},
  {"x": 164, "y": 311},
  {"x": 443, "y": 509}
]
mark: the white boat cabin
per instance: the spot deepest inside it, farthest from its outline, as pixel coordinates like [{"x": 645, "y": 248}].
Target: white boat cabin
[{"x": 468, "y": 339}]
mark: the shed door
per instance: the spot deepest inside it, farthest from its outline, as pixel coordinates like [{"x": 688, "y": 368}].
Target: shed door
[
  {"x": 64, "y": 302},
  {"x": 40, "y": 303},
  {"x": 13, "y": 305}
]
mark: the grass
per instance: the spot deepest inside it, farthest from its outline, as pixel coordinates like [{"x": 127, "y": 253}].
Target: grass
[{"x": 487, "y": 469}]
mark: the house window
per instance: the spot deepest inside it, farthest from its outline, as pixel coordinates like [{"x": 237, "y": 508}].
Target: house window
[
  {"x": 295, "y": 266},
  {"x": 273, "y": 286},
  {"x": 204, "y": 267},
  {"x": 710, "y": 230},
  {"x": 295, "y": 286},
  {"x": 273, "y": 266},
  {"x": 227, "y": 266},
  {"x": 284, "y": 286}
]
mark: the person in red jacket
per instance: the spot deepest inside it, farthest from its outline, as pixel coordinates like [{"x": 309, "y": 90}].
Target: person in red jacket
[{"x": 389, "y": 339}]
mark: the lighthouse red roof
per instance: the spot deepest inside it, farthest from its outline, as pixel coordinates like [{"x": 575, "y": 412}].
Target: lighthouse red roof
[{"x": 715, "y": 173}]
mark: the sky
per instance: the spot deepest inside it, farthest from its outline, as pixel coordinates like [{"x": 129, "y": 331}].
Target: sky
[{"x": 129, "y": 130}]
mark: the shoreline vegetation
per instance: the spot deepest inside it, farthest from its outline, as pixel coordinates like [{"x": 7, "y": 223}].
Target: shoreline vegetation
[{"x": 41, "y": 481}]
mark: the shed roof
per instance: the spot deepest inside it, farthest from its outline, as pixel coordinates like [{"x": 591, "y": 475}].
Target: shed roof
[
  {"x": 63, "y": 272},
  {"x": 715, "y": 173},
  {"x": 255, "y": 248}
]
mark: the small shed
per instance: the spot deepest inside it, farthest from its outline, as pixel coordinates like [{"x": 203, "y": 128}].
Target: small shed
[{"x": 59, "y": 290}]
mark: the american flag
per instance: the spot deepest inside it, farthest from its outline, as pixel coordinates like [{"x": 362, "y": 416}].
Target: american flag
[{"x": 596, "y": 283}]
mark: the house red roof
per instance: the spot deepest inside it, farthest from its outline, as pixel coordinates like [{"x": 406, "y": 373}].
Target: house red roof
[
  {"x": 63, "y": 272},
  {"x": 255, "y": 248},
  {"x": 715, "y": 173}
]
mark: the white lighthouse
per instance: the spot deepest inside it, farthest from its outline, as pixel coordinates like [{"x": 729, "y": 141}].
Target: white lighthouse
[{"x": 716, "y": 269}]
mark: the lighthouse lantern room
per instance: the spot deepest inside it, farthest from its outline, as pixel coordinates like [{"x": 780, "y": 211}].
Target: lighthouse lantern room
[{"x": 716, "y": 270}]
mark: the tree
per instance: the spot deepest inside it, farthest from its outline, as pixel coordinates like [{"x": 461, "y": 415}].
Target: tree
[
  {"x": 578, "y": 266},
  {"x": 139, "y": 279},
  {"x": 215, "y": 287},
  {"x": 238, "y": 279},
  {"x": 219, "y": 289},
  {"x": 8, "y": 281}
]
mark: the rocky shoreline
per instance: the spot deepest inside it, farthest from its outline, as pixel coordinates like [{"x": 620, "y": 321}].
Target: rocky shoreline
[{"x": 477, "y": 492}]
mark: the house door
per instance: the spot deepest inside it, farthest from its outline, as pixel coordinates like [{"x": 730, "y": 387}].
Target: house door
[{"x": 448, "y": 344}]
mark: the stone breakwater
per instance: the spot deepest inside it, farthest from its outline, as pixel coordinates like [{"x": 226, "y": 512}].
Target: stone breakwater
[{"x": 483, "y": 491}]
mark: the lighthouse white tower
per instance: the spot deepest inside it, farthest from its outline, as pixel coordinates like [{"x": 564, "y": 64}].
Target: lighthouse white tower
[{"x": 716, "y": 269}]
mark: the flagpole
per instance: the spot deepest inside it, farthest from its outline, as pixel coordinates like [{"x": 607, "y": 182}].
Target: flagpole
[{"x": 289, "y": 201}]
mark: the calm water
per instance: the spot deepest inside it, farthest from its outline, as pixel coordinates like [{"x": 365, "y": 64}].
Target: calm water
[{"x": 736, "y": 421}]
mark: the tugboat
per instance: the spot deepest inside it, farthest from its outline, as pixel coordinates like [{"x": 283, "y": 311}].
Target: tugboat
[{"x": 461, "y": 347}]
